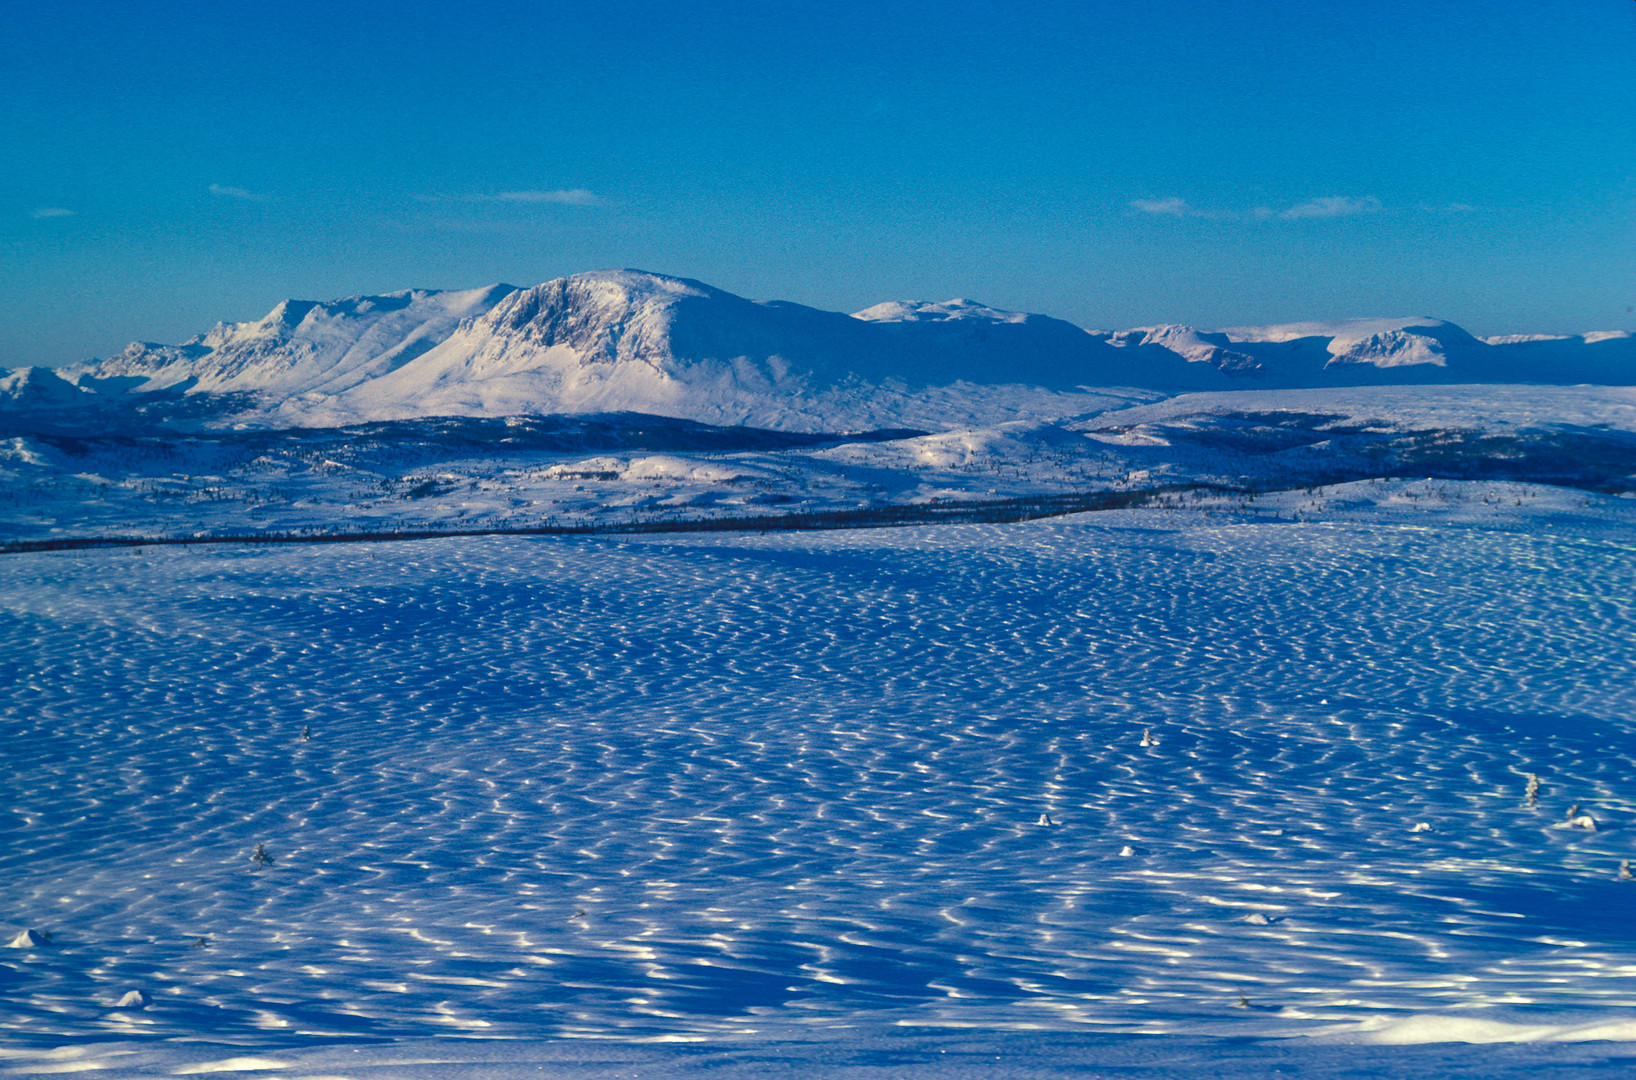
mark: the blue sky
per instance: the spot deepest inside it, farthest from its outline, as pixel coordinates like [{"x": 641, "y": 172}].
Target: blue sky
[{"x": 164, "y": 165}]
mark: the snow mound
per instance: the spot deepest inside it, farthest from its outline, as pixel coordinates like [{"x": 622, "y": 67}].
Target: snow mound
[
  {"x": 946, "y": 311},
  {"x": 1443, "y": 1028}
]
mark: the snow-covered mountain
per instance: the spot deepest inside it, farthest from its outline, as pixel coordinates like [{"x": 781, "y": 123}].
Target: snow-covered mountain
[
  {"x": 39, "y": 388},
  {"x": 628, "y": 340},
  {"x": 300, "y": 347}
]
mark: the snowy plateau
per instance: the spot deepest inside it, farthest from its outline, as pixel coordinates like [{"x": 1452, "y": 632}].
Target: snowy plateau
[{"x": 619, "y": 677}]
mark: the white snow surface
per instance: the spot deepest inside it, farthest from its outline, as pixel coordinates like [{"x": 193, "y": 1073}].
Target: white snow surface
[
  {"x": 1471, "y": 407},
  {"x": 692, "y": 803}
]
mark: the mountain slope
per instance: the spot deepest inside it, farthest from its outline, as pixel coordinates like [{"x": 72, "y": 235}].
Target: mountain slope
[{"x": 300, "y": 347}]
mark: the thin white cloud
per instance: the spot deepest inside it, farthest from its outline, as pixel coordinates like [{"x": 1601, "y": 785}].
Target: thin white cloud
[
  {"x": 1172, "y": 206},
  {"x": 1330, "y": 206},
  {"x": 561, "y": 197},
  {"x": 570, "y": 197},
  {"x": 236, "y": 193},
  {"x": 52, "y": 211},
  {"x": 1175, "y": 206}
]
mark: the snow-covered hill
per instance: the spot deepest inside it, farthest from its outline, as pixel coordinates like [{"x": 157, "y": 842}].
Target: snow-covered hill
[{"x": 628, "y": 340}]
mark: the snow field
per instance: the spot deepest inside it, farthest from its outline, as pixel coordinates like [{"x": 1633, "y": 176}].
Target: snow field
[{"x": 726, "y": 787}]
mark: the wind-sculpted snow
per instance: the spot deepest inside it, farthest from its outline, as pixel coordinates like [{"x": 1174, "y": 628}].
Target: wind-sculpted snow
[{"x": 1158, "y": 777}]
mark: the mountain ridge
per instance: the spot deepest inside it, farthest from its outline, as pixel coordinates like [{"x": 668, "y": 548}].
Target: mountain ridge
[{"x": 632, "y": 340}]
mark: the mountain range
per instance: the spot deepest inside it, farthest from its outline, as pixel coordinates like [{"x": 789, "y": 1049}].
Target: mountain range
[{"x": 628, "y": 340}]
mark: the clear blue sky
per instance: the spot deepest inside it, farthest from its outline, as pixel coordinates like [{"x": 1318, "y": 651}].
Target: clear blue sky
[{"x": 164, "y": 165}]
